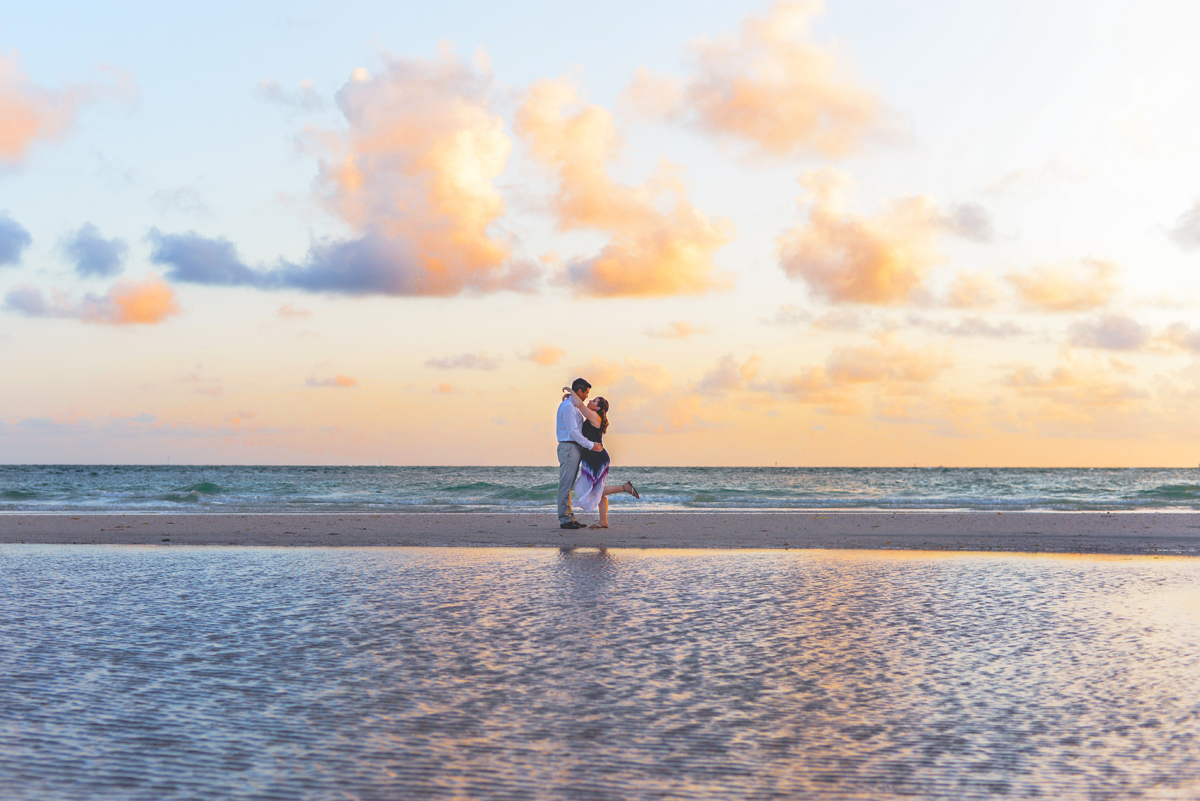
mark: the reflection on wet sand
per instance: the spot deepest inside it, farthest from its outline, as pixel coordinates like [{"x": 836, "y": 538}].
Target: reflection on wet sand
[{"x": 492, "y": 673}]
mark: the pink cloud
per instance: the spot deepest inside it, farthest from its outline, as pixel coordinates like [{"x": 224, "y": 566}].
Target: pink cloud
[
  {"x": 651, "y": 251},
  {"x": 728, "y": 375},
  {"x": 146, "y": 302},
  {"x": 1073, "y": 385},
  {"x": 842, "y": 320},
  {"x": 1083, "y": 286},
  {"x": 339, "y": 381},
  {"x": 881, "y": 260},
  {"x": 1182, "y": 337},
  {"x": 887, "y": 360},
  {"x": 415, "y": 173},
  {"x": 289, "y": 311},
  {"x": 969, "y": 327},
  {"x": 971, "y": 290},
  {"x": 446, "y": 388},
  {"x": 890, "y": 367},
  {"x": 771, "y": 85},
  {"x": 31, "y": 113},
  {"x": 544, "y": 354},
  {"x": 149, "y": 301}
]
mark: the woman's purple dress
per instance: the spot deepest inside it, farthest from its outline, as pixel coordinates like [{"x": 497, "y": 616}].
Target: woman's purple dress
[{"x": 592, "y": 472}]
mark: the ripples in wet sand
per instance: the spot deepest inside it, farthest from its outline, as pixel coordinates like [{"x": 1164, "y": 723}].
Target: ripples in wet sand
[{"x": 142, "y": 673}]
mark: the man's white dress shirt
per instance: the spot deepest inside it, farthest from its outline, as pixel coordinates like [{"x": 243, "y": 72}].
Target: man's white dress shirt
[{"x": 570, "y": 425}]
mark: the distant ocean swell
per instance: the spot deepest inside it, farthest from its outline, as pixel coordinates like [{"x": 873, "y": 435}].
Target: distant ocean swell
[{"x": 188, "y": 489}]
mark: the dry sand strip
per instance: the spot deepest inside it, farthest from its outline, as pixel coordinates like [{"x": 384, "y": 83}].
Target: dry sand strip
[{"x": 1026, "y": 532}]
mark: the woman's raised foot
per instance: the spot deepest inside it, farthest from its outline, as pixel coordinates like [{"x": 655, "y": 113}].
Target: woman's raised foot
[{"x": 632, "y": 490}]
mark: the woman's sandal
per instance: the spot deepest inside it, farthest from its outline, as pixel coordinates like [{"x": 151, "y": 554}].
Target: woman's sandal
[
  {"x": 632, "y": 490},
  {"x": 597, "y": 525}
]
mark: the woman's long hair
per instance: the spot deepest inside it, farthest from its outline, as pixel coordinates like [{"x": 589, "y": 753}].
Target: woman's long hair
[{"x": 602, "y": 410}]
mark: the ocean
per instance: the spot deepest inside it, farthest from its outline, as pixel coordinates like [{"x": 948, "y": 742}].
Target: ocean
[{"x": 241, "y": 489}]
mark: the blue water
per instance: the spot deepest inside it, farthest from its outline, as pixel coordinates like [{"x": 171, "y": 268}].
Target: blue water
[
  {"x": 289, "y": 673},
  {"x": 490, "y": 489}
]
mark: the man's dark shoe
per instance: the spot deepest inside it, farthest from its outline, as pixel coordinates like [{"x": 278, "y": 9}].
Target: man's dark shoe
[{"x": 572, "y": 524}]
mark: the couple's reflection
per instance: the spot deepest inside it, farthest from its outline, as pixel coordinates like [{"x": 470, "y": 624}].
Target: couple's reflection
[
  {"x": 582, "y": 550},
  {"x": 586, "y": 572}
]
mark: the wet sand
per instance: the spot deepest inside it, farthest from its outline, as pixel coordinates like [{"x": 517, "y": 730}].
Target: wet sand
[{"x": 1028, "y": 532}]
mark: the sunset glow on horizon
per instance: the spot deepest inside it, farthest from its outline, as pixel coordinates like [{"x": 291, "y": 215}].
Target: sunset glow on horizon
[{"x": 795, "y": 234}]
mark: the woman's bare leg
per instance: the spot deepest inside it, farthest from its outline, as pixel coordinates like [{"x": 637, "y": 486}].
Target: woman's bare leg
[{"x": 611, "y": 489}]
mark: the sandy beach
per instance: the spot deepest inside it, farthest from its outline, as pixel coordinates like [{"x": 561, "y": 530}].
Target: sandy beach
[{"x": 1032, "y": 532}]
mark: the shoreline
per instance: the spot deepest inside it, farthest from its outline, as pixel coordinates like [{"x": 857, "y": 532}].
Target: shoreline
[{"x": 1168, "y": 533}]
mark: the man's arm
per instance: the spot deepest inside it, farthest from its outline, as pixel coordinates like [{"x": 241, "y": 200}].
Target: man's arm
[
  {"x": 576, "y": 427},
  {"x": 591, "y": 416}
]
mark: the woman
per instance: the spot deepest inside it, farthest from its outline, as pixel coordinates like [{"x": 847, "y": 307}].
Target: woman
[{"x": 593, "y": 470}]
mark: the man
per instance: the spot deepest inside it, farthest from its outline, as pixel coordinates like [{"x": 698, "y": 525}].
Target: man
[{"x": 570, "y": 439}]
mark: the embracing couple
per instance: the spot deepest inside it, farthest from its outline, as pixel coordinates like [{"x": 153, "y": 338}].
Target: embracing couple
[{"x": 581, "y": 425}]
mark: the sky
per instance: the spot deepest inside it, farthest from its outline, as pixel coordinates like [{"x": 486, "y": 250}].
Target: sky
[{"x": 850, "y": 233}]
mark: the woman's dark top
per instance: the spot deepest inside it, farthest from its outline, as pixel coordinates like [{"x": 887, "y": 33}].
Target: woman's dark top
[{"x": 595, "y": 459}]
